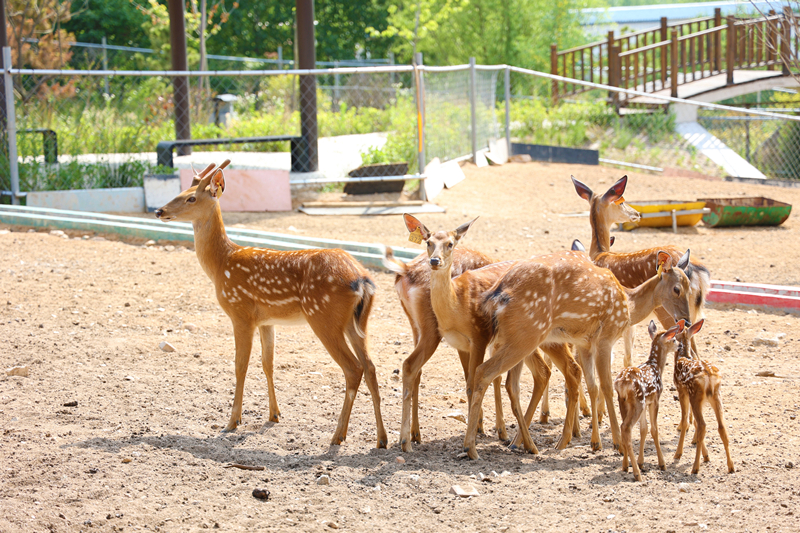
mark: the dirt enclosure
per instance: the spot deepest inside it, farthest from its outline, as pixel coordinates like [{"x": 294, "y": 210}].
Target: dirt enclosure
[{"x": 140, "y": 447}]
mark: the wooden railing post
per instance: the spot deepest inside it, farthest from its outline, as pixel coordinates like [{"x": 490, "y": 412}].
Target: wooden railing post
[
  {"x": 717, "y": 39},
  {"x": 673, "y": 68},
  {"x": 731, "y": 47},
  {"x": 772, "y": 40},
  {"x": 664, "y": 29},
  {"x": 554, "y": 71},
  {"x": 614, "y": 74},
  {"x": 786, "y": 39}
]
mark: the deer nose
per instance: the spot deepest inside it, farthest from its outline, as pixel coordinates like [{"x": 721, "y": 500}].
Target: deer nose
[
  {"x": 435, "y": 261},
  {"x": 159, "y": 212}
]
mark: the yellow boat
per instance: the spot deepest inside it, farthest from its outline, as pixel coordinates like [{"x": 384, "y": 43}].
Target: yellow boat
[{"x": 666, "y": 207}]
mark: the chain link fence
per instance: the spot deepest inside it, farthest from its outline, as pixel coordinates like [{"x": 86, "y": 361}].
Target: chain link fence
[{"x": 97, "y": 129}]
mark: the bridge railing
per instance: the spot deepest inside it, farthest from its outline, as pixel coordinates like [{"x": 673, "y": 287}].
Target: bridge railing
[{"x": 674, "y": 54}]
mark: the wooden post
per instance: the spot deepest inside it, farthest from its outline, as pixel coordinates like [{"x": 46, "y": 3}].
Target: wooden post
[
  {"x": 664, "y": 51},
  {"x": 771, "y": 40},
  {"x": 673, "y": 67},
  {"x": 554, "y": 71},
  {"x": 308, "y": 161},
  {"x": 717, "y": 40},
  {"x": 180, "y": 84},
  {"x": 731, "y": 47},
  {"x": 786, "y": 36},
  {"x": 614, "y": 74}
]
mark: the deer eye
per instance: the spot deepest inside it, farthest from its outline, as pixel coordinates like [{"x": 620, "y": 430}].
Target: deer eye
[
  {"x": 191, "y": 199},
  {"x": 677, "y": 291},
  {"x": 449, "y": 245}
]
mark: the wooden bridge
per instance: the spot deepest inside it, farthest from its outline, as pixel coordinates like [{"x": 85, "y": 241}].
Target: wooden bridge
[{"x": 705, "y": 58}]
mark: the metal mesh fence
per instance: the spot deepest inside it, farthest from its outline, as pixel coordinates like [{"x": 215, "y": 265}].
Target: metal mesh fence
[{"x": 89, "y": 129}]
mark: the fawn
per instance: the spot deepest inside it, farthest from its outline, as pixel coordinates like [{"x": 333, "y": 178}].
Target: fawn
[
  {"x": 697, "y": 382},
  {"x": 258, "y": 289},
  {"x": 639, "y": 388}
]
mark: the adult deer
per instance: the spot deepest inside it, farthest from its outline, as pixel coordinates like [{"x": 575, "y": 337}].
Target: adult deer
[
  {"x": 633, "y": 269},
  {"x": 260, "y": 289},
  {"x": 456, "y": 304},
  {"x": 639, "y": 391},
  {"x": 565, "y": 298},
  {"x": 697, "y": 382}
]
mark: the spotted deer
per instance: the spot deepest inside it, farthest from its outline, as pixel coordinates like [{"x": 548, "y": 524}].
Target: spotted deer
[
  {"x": 639, "y": 392},
  {"x": 565, "y": 298},
  {"x": 259, "y": 289},
  {"x": 633, "y": 269},
  {"x": 456, "y": 305},
  {"x": 697, "y": 382}
]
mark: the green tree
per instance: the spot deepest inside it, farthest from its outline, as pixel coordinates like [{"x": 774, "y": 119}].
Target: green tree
[{"x": 117, "y": 20}]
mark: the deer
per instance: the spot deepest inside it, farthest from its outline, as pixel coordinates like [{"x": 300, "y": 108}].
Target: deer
[
  {"x": 565, "y": 298},
  {"x": 639, "y": 392},
  {"x": 326, "y": 289},
  {"x": 697, "y": 382},
  {"x": 632, "y": 269},
  {"x": 455, "y": 304}
]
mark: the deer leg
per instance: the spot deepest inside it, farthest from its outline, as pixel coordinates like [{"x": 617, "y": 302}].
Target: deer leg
[
  {"x": 560, "y": 355},
  {"x": 628, "y": 336},
  {"x": 359, "y": 345},
  {"x": 585, "y": 409},
  {"x": 684, "y": 424},
  {"x": 243, "y": 336},
  {"x": 544, "y": 414},
  {"x": 541, "y": 377},
  {"x": 625, "y": 429},
  {"x": 500, "y": 423},
  {"x": 474, "y": 358},
  {"x": 591, "y": 386},
  {"x": 606, "y": 386},
  {"x": 716, "y": 404},
  {"x": 654, "y": 433},
  {"x": 642, "y": 435},
  {"x": 337, "y": 347},
  {"x": 697, "y": 408},
  {"x": 523, "y": 436},
  {"x": 267, "y": 334},
  {"x": 412, "y": 374}
]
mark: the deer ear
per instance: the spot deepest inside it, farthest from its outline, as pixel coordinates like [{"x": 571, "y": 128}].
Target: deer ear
[
  {"x": 683, "y": 262},
  {"x": 582, "y": 189},
  {"x": 412, "y": 224},
  {"x": 664, "y": 262},
  {"x": 462, "y": 229},
  {"x": 217, "y": 184},
  {"x": 697, "y": 326},
  {"x": 651, "y": 329},
  {"x": 674, "y": 330},
  {"x": 577, "y": 246},
  {"x": 616, "y": 191}
]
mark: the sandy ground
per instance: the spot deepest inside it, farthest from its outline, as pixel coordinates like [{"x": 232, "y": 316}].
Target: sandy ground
[{"x": 142, "y": 449}]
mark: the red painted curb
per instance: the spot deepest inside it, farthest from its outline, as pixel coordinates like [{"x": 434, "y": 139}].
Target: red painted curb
[
  {"x": 778, "y": 290},
  {"x": 775, "y": 302}
]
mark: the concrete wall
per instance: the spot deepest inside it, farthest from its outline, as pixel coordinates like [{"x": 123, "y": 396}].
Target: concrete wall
[{"x": 122, "y": 200}]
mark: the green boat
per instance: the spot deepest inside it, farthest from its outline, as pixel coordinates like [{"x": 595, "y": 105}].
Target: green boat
[{"x": 748, "y": 211}]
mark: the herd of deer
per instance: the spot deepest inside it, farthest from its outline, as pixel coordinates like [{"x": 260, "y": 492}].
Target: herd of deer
[{"x": 534, "y": 311}]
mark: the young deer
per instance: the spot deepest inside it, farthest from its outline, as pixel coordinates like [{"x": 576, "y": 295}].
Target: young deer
[
  {"x": 639, "y": 388},
  {"x": 412, "y": 283},
  {"x": 697, "y": 382},
  {"x": 565, "y": 298},
  {"x": 259, "y": 289},
  {"x": 633, "y": 269},
  {"x": 456, "y": 303}
]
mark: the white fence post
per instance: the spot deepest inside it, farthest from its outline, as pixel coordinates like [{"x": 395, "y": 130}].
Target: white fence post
[
  {"x": 507, "y": 80},
  {"x": 419, "y": 80},
  {"x": 472, "y": 115},
  {"x": 11, "y": 126}
]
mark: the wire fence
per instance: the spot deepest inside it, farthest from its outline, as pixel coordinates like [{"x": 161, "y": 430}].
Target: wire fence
[{"x": 92, "y": 128}]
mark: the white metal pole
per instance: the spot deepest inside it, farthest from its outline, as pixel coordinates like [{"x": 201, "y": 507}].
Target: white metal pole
[
  {"x": 105, "y": 64},
  {"x": 420, "y": 82},
  {"x": 11, "y": 126},
  {"x": 472, "y": 118},
  {"x": 507, "y": 81}
]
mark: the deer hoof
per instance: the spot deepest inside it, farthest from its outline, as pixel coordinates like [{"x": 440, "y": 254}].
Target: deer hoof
[
  {"x": 381, "y": 443},
  {"x": 544, "y": 418},
  {"x": 416, "y": 437},
  {"x": 275, "y": 418},
  {"x": 596, "y": 446}
]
